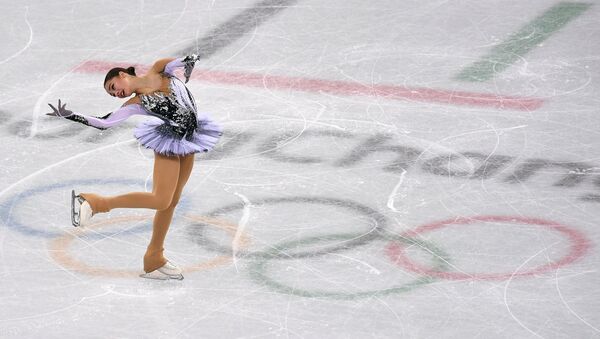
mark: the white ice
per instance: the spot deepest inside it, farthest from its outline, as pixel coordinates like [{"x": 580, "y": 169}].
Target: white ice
[{"x": 293, "y": 226}]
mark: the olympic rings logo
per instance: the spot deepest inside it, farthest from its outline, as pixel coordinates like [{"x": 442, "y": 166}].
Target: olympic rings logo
[{"x": 262, "y": 263}]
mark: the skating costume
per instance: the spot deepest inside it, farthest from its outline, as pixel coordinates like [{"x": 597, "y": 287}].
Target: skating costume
[{"x": 179, "y": 129}]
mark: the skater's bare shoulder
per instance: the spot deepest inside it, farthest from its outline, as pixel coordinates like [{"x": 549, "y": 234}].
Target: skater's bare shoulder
[{"x": 159, "y": 65}]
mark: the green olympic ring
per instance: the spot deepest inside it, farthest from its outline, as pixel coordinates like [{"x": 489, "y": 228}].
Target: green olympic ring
[{"x": 259, "y": 267}]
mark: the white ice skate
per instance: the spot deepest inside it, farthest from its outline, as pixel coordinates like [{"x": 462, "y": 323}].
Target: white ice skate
[
  {"x": 81, "y": 211},
  {"x": 167, "y": 271}
]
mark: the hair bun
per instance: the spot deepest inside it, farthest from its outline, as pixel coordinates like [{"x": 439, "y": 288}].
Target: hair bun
[{"x": 115, "y": 72}]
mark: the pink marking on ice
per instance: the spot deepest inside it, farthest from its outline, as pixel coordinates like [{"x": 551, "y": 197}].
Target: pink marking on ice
[{"x": 344, "y": 88}]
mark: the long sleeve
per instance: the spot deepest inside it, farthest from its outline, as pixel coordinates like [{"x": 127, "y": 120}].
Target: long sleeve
[
  {"x": 109, "y": 120},
  {"x": 178, "y": 63}
]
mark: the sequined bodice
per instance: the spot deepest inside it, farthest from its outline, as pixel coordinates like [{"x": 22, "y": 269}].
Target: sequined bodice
[{"x": 180, "y": 120}]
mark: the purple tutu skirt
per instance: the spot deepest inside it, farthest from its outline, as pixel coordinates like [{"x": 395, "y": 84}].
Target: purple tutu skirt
[{"x": 205, "y": 137}]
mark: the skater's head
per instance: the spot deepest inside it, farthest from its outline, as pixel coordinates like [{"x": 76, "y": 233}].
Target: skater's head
[{"x": 118, "y": 82}]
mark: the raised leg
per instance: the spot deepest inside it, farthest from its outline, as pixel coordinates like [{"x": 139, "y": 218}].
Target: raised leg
[{"x": 164, "y": 183}]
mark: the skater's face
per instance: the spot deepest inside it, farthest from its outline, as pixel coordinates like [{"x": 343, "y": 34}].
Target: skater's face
[{"x": 119, "y": 86}]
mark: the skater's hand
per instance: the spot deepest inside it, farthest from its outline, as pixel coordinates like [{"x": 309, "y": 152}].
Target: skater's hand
[
  {"x": 62, "y": 110},
  {"x": 189, "y": 61}
]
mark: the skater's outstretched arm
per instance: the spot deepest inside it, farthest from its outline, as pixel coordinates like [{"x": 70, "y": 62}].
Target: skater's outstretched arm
[
  {"x": 187, "y": 62},
  {"x": 109, "y": 120}
]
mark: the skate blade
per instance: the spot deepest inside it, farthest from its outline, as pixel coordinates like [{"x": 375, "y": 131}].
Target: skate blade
[
  {"x": 75, "y": 217},
  {"x": 157, "y": 275}
]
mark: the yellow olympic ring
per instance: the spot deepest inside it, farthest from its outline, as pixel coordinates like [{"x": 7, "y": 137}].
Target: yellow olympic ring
[{"x": 58, "y": 248}]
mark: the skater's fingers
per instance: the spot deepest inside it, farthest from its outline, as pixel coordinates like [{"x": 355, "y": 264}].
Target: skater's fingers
[{"x": 53, "y": 108}]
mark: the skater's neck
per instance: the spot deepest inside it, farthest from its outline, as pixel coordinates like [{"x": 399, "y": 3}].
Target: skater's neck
[{"x": 142, "y": 85}]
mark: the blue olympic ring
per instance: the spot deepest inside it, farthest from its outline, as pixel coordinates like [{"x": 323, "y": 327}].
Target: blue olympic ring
[{"x": 9, "y": 220}]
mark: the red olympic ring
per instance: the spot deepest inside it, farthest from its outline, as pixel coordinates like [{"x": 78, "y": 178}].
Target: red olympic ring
[{"x": 578, "y": 247}]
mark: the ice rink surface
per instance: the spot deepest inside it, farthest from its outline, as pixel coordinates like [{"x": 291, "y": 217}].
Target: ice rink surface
[{"x": 389, "y": 169}]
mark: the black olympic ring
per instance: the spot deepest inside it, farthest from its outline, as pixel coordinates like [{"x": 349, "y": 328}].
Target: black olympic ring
[{"x": 197, "y": 230}]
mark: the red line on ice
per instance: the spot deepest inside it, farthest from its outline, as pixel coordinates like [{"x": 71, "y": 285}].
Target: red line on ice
[{"x": 342, "y": 87}]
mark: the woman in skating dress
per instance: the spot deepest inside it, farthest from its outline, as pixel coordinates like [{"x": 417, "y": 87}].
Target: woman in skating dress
[{"x": 179, "y": 132}]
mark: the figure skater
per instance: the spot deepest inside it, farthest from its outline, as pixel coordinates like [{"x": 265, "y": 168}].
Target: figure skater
[{"x": 180, "y": 132}]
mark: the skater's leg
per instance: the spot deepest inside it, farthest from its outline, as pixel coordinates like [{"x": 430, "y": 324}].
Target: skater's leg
[
  {"x": 154, "y": 258},
  {"x": 166, "y": 170}
]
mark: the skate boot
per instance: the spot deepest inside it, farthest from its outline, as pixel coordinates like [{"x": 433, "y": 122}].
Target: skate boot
[
  {"x": 165, "y": 272},
  {"x": 81, "y": 211}
]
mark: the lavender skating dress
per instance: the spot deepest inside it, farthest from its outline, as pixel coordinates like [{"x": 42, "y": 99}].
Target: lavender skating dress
[{"x": 178, "y": 128}]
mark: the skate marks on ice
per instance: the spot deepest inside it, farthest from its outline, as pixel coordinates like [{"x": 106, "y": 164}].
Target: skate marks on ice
[
  {"x": 329, "y": 270},
  {"x": 408, "y": 157},
  {"x": 27, "y": 44},
  {"x": 375, "y": 225},
  {"x": 307, "y": 252},
  {"x": 520, "y": 43},
  {"x": 23, "y": 222},
  {"x": 62, "y": 237},
  {"x": 360, "y": 150},
  {"x": 60, "y": 251},
  {"x": 236, "y": 27},
  {"x": 578, "y": 246},
  {"x": 326, "y": 247},
  {"x": 508, "y": 169}
]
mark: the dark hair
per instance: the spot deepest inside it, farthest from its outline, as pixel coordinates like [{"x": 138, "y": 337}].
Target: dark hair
[{"x": 115, "y": 71}]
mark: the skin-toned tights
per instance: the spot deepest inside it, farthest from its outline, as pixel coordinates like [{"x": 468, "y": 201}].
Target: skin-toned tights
[{"x": 169, "y": 177}]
